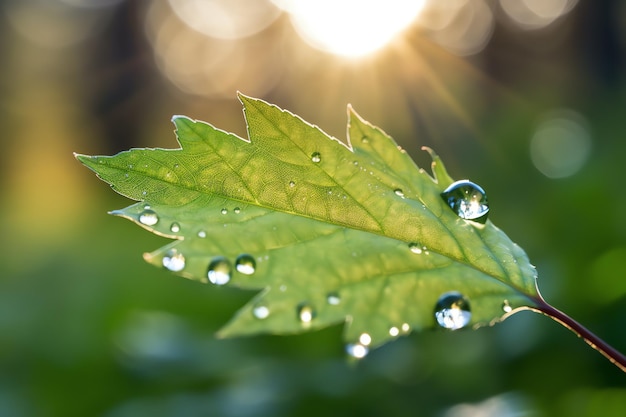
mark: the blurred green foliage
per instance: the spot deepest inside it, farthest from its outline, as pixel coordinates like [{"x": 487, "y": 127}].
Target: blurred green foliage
[{"x": 87, "y": 328}]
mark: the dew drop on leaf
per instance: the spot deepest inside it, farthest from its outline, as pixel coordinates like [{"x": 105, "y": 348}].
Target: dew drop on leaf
[
  {"x": 148, "y": 217},
  {"x": 333, "y": 298},
  {"x": 305, "y": 313},
  {"x": 415, "y": 248},
  {"x": 467, "y": 200},
  {"x": 399, "y": 192},
  {"x": 245, "y": 264},
  {"x": 452, "y": 311},
  {"x": 175, "y": 227},
  {"x": 506, "y": 306},
  {"x": 292, "y": 184},
  {"x": 201, "y": 234},
  {"x": 394, "y": 331},
  {"x": 316, "y": 157},
  {"x": 224, "y": 211},
  {"x": 220, "y": 270},
  {"x": 237, "y": 210},
  {"x": 357, "y": 350},
  {"x": 261, "y": 312},
  {"x": 174, "y": 260}
]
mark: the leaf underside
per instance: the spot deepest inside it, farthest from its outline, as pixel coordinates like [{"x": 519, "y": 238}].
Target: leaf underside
[{"x": 328, "y": 224}]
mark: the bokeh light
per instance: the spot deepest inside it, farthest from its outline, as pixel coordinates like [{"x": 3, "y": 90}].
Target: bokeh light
[
  {"x": 463, "y": 27},
  {"x": 225, "y": 19},
  {"x": 536, "y": 14},
  {"x": 350, "y": 27},
  {"x": 561, "y": 144}
]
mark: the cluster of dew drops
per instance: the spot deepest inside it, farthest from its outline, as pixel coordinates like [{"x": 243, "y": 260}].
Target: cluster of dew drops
[{"x": 452, "y": 310}]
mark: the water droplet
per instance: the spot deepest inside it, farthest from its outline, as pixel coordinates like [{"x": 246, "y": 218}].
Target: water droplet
[
  {"x": 224, "y": 211},
  {"x": 467, "y": 200},
  {"x": 282, "y": 288},
  {"x": 201, "y": 234},
  {"x": 394, "y": 331},
  {"x": 261, "y": 312},
  {"x": 399, "y": 192},
  {"x": 356, "y": 163},
  {"x": 175, "y": 227},
  {"x": 453, "y": 310},
  {"x": 365, "y": 339},
  {"x": 333, "y": 298},
  {"x": 357, "y": 350},
  {"x": 144, "y": 193},
  {"x": 174, "y": 260},
  {"x": 245, "y": 264},
  {"x": 405, "y": 327},
  {"x": 365, "y": 139},
  {"x": 316, "y": 157},
  {"x": 506, "y": 306},
  {"x": 415, "y": 248},
  {"x": 306, "y": 313},
  {"x": 219, "y": 272},
  {"x": 148, "y": 217},
  {"x": 237, "y": 210},
  {"x": 292, "y": 184}
]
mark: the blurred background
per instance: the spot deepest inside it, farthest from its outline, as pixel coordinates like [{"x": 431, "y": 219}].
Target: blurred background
[{"x": 525, "y": 97}]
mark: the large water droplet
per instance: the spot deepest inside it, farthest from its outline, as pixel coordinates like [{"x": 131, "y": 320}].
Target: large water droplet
[
  {"x": 333, "y": 298},
  {"x": 467, "y": 200},
  {"x": 261, "y": 312},
  {"x": 357, "y": 350},
  {"x": 174, "y": 260},
  {"x": 453, "y": 310},
  {"x": 316, "y": 157},
  {"x": 245, "y": 264},
  {"x": 220, "y": 270},
  {"x": 148, "y": 217},
  {"x": 175, "y": 227},
  {"x": 305, "y": 313}
]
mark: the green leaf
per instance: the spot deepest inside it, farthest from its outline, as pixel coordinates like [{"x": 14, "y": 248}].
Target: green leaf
[{"x": 330, "y": 232}]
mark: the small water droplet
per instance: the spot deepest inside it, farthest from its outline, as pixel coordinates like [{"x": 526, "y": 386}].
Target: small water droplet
[
  {"x": 175, "y": 227},
  {"x": 292, "y": 184},
  {"x": 224, "y": 211},
  {"x": 365, "y": 339},
  {"x": 283, "y": 288},
  {"x": 316, "y": 157},
  {"x": 261, "y": 312},
  {"x": 506, "y": 306},
  {"x": 467, "y": 200},
  {"x": 394, "y": 331},
  {"x": 405, "y": 327},
  {"x": 237, "y": 210},
  {"x": 144, "y": 193},
  {"x": 357, "y": 350},
  {"x": 399, "y": 192},
  {"x": 201, "y": 234},
  {"x": 245, "y": 264},
  {"x": 174, "y": 260},
  {"x": 305, "y": 313},
  {"x": 365, "y": 139},
  {"x": 333, "y": 298},
  {"x": 453, "y": 310},
  {"x": 219, "y": 272},
  {"x": 415, "y": 248},
  {"x": 356, "y": 163},
  {"x": 148, "y": 217}
]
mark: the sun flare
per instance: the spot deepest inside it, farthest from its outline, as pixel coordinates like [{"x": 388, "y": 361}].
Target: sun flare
[{"x": 350, "y": 28}]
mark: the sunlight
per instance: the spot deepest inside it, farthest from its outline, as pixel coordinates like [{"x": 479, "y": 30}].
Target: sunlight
[{"x": 350, "y": 28}]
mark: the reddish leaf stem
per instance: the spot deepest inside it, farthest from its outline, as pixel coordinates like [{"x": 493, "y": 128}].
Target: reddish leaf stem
[{"x": 614, "y": 356}]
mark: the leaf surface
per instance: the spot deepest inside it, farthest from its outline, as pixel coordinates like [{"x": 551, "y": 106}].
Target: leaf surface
[{"x": 323, "y": 228}]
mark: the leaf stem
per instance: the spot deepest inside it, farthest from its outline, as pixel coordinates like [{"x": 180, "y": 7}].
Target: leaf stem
[{"x": 614, "y": 356}]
